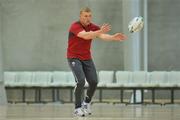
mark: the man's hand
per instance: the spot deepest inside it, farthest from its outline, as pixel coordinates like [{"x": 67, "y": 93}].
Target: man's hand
[
  {"x": 105, "y": 28},
  {"x": 119, "y": 37}
]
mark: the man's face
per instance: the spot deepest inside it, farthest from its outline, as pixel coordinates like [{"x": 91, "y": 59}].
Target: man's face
[{"x": 85, "y": 18}]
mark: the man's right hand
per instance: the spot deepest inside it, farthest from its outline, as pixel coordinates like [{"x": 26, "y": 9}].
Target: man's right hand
[{"x": 105, "y": 28}]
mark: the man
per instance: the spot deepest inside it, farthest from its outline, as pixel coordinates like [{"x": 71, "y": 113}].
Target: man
[{"x": 81, "y": 34}]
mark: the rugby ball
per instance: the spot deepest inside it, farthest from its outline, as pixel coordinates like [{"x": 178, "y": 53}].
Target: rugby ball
[{"x": 136, "y": 24}]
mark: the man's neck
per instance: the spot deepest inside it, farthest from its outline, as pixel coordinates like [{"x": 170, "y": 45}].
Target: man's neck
[{"x": 83, "y": 24}]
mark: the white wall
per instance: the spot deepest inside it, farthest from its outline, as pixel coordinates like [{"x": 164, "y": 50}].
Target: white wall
[
  {"x": 163, "y": 35},
  {"x": 3, "y": 99},
  {"x": 35, "y": 33}
]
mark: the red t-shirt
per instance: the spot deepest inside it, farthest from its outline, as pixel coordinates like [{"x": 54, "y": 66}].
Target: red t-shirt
[{"x": 78, "y": 47}]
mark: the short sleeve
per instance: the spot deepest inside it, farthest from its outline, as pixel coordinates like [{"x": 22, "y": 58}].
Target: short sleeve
[
  {"x": 95, "y": 27},
  {"x": 75, "y": 28}
]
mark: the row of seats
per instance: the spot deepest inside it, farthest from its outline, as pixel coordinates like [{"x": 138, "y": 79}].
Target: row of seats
[
  {"x": 139, "y": 79},
  {"x": 120, "y": 80},
  {"x": 106, "y": 79},
  {"x": 39, "y": 79}
]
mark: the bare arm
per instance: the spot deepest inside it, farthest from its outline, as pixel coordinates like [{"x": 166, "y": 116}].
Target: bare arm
[
  {"x": 102, "y": 34},
  {"x": 115, "y": 37},
  {"x": 93, "y": 34},
  {"x": 89, "y": 35}
]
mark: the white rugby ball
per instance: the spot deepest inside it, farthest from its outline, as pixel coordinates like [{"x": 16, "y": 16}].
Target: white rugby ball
[{"x": 136, "y": 24}]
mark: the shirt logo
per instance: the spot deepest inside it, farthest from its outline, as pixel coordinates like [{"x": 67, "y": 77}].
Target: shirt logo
[{"x": 73, "y": 64}]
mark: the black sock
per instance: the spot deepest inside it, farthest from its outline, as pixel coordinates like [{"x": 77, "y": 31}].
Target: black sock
[
  {"x": 77, "y": 106},
  {"x": 87, "y": 99}
]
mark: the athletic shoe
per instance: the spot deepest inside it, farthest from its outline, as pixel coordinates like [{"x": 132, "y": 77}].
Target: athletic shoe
[
  {"x": 87, "y": 108},
  {"x": 79, "y": 112}
]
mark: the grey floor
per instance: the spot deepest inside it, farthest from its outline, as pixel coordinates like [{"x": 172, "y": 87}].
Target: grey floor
[{"x": 100, "y": 112}]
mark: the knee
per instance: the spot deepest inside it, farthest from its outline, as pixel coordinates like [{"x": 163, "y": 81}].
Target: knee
[
  {"x": 81, "y": 83},
  {"x": 93, "y": 83}
]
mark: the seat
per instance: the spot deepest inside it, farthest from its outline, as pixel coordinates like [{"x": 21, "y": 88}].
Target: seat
[
  {"x": 70, "y": 79},
  {"x": 174, "y": 79},
  {"x": 123, "y": 78},
  {"x": 41, "y": 79},
  {"x": 18, "y": 80},
  {"x": 158, "y": 79},
  {"x": 59, "y": 79},
  {"x": 10, "y": 79},
  {"x": 24, "y": 79},
  {"x": 105, "y": 78},
  {"x": 140, "y": 79},
  {"x": 62, "y": 79},
  {"x": 139, "y": 82},
  {"x": 173, "y": 83},
  {"x": 71, "y": 83}
]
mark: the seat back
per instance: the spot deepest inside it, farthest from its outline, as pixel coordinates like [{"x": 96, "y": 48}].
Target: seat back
[
  {"x": 174, "y": 78},
  {"x": 106, "y": 77},
  {"x": 59, "y": 77},
  {"x": 140, "y": 78},
  {"x": 158, "y": 78},
  {"x": 41, "y": 78},
  {"x": 70, "y": 78},
  {"x": 123, "y": 77},
  {"x": 24, "y": 78},
  {"x": 9, "y": 78}
]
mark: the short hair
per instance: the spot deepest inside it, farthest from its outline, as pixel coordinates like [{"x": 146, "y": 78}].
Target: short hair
[{"x": 85, "y": 9}]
